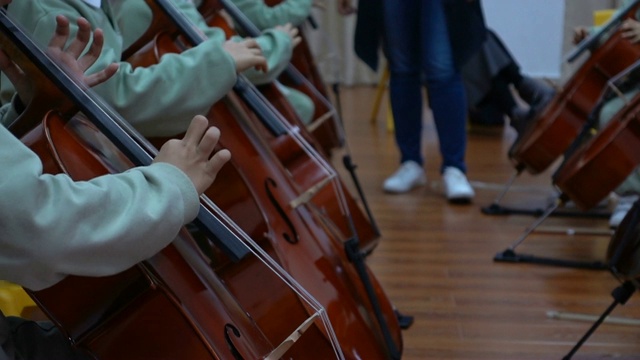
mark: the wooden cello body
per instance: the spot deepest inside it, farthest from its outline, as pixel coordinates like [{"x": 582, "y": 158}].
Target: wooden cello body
[
  {"x": 603, "y": 162},
  {"x": 555, "y": 127},
  {"x": 303, "y": 243},
  {"x": 302, "y": 75},
  {"x": 295, "y": 236},
  {"x": 367, "y": 232},
  {"x": 623, "y": 261},
  {"x": 174, "y": 304},
  {"x": 170, "y": 306},
  {"x": 146, "y": 51},
  {"x": 117, "y": 317}
]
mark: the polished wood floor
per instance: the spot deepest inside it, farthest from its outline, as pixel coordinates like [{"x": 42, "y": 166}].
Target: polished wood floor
[{"x": 435, "y": 260}]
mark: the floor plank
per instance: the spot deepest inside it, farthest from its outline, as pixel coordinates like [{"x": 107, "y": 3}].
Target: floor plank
[{"x": 435, "y": 260}]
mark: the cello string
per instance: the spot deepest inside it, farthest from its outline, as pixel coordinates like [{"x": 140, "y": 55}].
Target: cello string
[
  {"x": 254, "y": 248},
  {"x": 117, "y": 126},
  {"x": 187, "y": 27},
  {"x": 294, "y": 131},
  {"x": 319, "y": 310},
  {"x": 253, "y": 31}
]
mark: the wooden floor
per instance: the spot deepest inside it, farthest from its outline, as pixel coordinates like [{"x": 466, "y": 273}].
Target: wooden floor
[{"x": 435, "y": 260}]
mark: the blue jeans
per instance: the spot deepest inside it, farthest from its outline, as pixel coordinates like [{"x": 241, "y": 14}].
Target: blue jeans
[{"x": 418, "y": 49}]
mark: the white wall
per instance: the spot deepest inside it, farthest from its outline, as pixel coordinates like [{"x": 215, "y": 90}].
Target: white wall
[{"x": 532, "y": 30}]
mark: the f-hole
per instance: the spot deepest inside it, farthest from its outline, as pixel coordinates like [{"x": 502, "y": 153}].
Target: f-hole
[
  {"x": 293, "y": 238},
  {"x": 234, "y": 350}
]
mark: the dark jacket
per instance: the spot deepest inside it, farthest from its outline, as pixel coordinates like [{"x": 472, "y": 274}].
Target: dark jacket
[{"x": 465, "y": 25}]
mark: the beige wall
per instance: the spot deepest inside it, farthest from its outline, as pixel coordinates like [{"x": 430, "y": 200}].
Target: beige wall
[
  {"x": 332, "y": 42},
  {"x": 579, "y": 12}
]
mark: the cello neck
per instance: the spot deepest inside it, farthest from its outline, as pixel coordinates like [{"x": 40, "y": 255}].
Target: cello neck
[{"x": 211, "y": 221}]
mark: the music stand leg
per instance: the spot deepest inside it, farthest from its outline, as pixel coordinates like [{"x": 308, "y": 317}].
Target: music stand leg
[
  {"x": 497, "y": 209},
  {"x": 620, "y": 295},
  {"x": 509, "y": 255}
]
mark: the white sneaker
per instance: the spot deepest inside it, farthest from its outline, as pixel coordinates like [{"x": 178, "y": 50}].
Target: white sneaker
[
  {"x": 409, "y": 175},
  {"x": 456, "y": 186},
  {"x": 622, "y": 208}
]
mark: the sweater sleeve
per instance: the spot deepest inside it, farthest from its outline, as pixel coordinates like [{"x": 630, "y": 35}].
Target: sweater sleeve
[
  {"x": 276, "y": 48},
  {"x": 276, "y": 45},
  {"x": 264, "y": 16},
  {"x": 52, "y": 226},
  {"x": 159, "y": 100},
  {"x": 8, "y": 112}
]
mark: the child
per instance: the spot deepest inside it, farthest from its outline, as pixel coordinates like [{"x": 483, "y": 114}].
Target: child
[
  {"x": 629, "y": 190},
  {"x": 126, "y": 217},
  {"x": 158, "y": 100}
]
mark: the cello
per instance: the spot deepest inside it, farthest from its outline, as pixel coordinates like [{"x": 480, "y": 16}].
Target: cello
[
  {"x": 109, "y": 317},
  {"x": 624, "y": 263},
  {"x": 622, "y": 251},
  {"x": 555, "y": 127},
  {"x": 603, "y": 162},
  {"x": 302, "y": 59},
  {"x": 302, "y": 74},
  {"x": 365, "y": 224},
  {"x": 305, "y": 237},
  {"x": 593, "y": 167}
]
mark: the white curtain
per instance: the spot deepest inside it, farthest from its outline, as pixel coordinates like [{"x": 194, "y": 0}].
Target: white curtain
[{"x": 332, "y": 45}]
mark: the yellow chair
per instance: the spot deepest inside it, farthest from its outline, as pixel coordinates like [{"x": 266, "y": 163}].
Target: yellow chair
[
  {"x": 13, "y": 299},
  {"x": 602, "y": 16},
  {"x": 381, "y": 89}
]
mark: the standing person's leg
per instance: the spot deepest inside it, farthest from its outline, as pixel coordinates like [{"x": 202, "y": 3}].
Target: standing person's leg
[
  {"x": 405, "y": 91},
  {"x": 446, "y": 99}
]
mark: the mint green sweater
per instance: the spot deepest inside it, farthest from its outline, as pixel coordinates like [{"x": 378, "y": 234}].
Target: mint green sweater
[
  {"x": 134, "y": 17},
  {"x": 159, "y": 100},
  {"x": 51, "y": 226},
  {"x": 264, "y": 16}
]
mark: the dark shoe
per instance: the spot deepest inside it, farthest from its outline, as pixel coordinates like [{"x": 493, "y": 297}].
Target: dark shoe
[
  {"x": 536, "y": 93},
  {"x": 520, "y": 118}
]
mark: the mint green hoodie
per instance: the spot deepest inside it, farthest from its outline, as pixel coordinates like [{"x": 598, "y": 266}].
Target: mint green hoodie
[
  {"x": 159, "y": 100},
  {"x": 52, "y": 226},
  {"x": 263, "y": 16},
  {"x": 134, "y": 16},
  {"x": 276, "y": 45}
]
